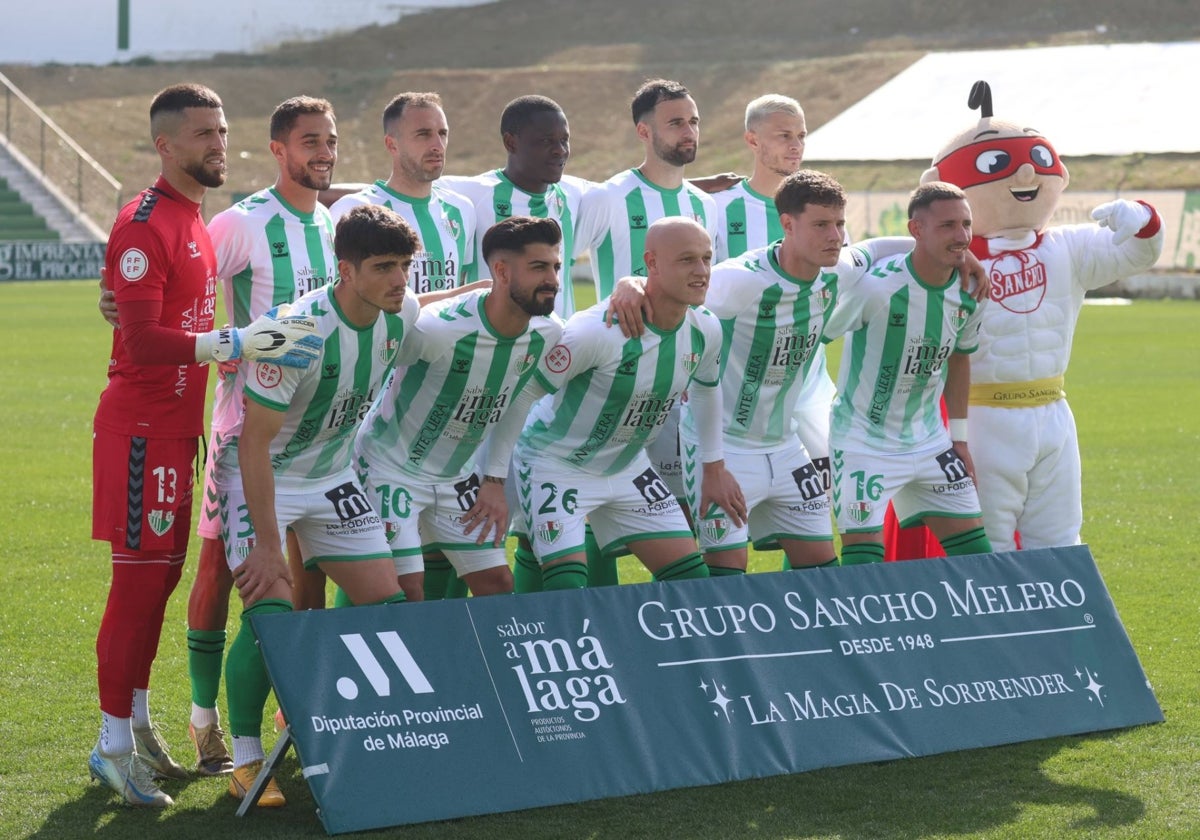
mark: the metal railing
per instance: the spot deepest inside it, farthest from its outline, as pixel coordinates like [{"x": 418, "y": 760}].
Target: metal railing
[{"x": 87, "y": 188}]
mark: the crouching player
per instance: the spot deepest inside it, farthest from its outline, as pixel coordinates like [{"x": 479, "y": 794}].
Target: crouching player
[
  {"x": 295, "y": 455},
  {"x": 458, "y": 376}
]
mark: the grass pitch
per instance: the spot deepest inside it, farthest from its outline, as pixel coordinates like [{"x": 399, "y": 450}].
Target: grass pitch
[{"x": 1135, "y": 389}]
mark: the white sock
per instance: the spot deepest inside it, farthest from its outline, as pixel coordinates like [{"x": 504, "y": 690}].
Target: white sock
[
  {"x": 202, "y": 717},
  {"x": 141, "y": 708},
  {"x": 247, "y": 748},
  {"x": 116, "y": 735}
]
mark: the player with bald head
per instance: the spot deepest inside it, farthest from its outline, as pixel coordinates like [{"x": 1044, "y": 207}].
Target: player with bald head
[{"x": 583, "y": 456}]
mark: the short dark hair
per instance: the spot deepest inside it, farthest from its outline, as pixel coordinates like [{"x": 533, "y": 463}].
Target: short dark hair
[
  {"x": 371, "y": 230},
  {"x": 926, "y": 194},
  {"x": 808, "y": 186},
  {"x": 653, "y": 91},
  {"x": 520, "y": 112},
  {"x": 394, "y": 110},
  {"x": 515, "y": 232},
  {"x": 171, "y": 101},
  {"x": 284, "y": 117}
]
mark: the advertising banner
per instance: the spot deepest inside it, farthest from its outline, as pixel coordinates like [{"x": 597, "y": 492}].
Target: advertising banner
[
  {"x": 417, "y": 712},
  {"x": 51, "y": 260}
]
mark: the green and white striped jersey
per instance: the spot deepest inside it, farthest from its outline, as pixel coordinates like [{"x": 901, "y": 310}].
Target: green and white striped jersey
[
  {"x": 771, "y": 325},
  {"x": 445, "y": 222},
  {"x": 455, "y": 378},
  {"x": 325, "y": 403},
  {"x": 749, "y": 219},
  {"x": 630, "y": 204},
  {"x": 901, "y": 333},
  {"x": 268, "y": 253},
  {"x": 496, "y": 198},
  {"x": 613, "y": 394}
]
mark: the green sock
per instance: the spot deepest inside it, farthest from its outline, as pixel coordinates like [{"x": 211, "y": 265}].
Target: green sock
[
  {"x": 858, "y": 554},
  {"x": 398, "y": 598},
  {"x": 206, "y": 650},
  {"x": 527, "y": 572},
  {"x": 456, "y": 587},
  {"x": 602, "y": 571},
  {"x": 246, "y": 682},
  {"x": 564, "y": 576},
  {"x": 341, "y": 599},
  {"x": 827, "y": 564},
  {"x": 438, "y": 572},
  {"x": 685, "y": 568},
  {"x": 972, "y": 541},
  {"x": 723, "y": 571}
]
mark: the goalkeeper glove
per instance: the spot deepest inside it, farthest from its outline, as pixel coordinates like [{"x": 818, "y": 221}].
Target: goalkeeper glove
[{"x": 288, "y": 340}]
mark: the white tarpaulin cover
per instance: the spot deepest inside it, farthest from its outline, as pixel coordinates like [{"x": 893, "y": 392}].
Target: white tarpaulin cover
[{"x": 1113, "y": 99}]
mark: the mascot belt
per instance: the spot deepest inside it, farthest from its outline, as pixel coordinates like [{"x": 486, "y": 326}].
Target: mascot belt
[{"x": 1018, "y": 394}]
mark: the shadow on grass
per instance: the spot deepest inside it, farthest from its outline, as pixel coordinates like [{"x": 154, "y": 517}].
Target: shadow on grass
[{"x": 982, "y": 791}]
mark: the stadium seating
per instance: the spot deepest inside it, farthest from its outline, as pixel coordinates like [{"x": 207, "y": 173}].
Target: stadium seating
[{"x": 18, "y": 221}]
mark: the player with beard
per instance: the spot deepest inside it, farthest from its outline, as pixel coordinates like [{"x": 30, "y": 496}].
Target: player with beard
[
  {"x": 668, "y": 126},
  {"x": 272, "y": 247},
  {"x": 457, "y": 377},
  {"x": 163, "y": 272},
  {"x": 416, "y": 136}
]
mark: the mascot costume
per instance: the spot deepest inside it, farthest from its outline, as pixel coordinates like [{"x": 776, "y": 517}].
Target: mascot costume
[{"x": 1022, "y": 432}]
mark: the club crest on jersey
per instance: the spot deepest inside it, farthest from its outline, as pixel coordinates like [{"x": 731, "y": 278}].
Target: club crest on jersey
[
  {"x": 1018, "y": 281},
  {"x": 860, "y": 512},
  {"x": 243, "y": 549},
  {"x": 523, "y": 364},
  {"x": 453, "y": 226},
  {"x": 388, "y": 350},
  {"x": 160, "y": 521},
  {"x": 549, "y": 531},
  {"x": 824, "y": 297},
  {"x": 558, "y": 359},
  {"x": 554, "y": 202},
  {"x": 959, "y": 317},
  {"x": 715, "y": 529},
  {"x": 134, "y": 264},
  {"x": 690, "y": 361},
  {"x": 390, "y": 530}
]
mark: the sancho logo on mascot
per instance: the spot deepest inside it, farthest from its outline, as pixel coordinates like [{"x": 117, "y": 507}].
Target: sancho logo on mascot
[{"x": 1021, "y": 429}]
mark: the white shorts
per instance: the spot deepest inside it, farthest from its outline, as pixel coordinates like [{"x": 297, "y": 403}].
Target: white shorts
[
  {"x": 665, "y": 454},
  {"x": 419, "y": 516},
  {"x": 931, "y": 481},
  {"x": 333, "y": 522},
  {"x": 555, "y": 501},
  {"x": 785, "y": 494}
]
